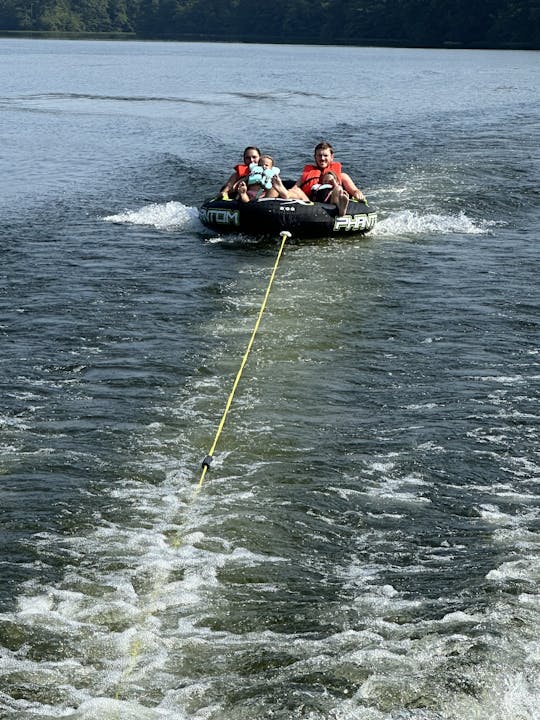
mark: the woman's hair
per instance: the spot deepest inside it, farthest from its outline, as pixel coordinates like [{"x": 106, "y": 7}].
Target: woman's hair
[
  {"x": 324, "y": 146},
  {"x": 251, "y": 147}
]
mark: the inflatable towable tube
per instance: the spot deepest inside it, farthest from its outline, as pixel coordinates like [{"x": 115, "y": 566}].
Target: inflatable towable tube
[{"x": 268, "y": 216}]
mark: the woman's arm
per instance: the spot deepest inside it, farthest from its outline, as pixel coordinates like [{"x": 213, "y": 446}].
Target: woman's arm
[{"x": 229, "y": 185}]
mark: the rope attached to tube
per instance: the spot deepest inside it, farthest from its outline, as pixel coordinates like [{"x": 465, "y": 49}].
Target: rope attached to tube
[{"x": 208, "y": 459}]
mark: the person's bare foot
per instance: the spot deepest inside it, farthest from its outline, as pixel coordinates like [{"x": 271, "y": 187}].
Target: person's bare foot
[
  {"x": 343, "y": 202},
  {"x": 241, "y": 189},
  {"x": 280, "y": 188}
]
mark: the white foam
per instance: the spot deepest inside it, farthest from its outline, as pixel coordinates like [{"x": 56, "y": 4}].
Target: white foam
[
  {"x": 506, "y": 379},
  {"x": 393, "y": 489},
  {"x": 525, "y": 570},
  {"x": 492, "y": 513},
  {"x": 459, "y": 616},
  {"x": 530, "y": 600},
  {"x": 507, "y": 698},
  {"x": 13, "y": 422},
  {"x": 100, "y": 708},
  {"x": 409, "y": 222},
  {"x": 167, "y": 216}
]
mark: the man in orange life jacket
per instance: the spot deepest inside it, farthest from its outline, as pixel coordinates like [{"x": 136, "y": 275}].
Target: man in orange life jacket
[{"x": 324, "y": 163}]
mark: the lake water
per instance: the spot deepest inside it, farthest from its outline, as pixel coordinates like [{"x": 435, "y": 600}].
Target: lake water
[{"x": 366, "y": 545}]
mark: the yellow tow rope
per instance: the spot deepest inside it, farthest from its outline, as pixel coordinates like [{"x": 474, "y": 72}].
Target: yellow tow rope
[
  {"x": 208, "y": 459},
  {"x": 136, "y": 646}
]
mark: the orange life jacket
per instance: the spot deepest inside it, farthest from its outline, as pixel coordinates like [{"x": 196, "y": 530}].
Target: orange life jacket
[
  {"x": 311, "y": 175},
  {"x": 242, "y": 170}
]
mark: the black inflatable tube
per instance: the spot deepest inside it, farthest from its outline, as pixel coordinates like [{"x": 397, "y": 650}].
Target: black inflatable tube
[{"x": 267, "y": 217}]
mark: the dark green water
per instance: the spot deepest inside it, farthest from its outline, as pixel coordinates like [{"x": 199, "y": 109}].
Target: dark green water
[{"x": 366, "y": 543}]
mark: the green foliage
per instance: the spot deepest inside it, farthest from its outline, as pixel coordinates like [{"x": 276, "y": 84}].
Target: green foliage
[
  {"x": 436, "y": 23},
  {"x": 58, "y": 16}
]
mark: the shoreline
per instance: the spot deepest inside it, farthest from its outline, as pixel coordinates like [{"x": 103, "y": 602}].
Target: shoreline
[{"x": 201, "y": 37}]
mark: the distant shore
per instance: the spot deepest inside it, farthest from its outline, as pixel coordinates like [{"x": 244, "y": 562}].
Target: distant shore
[{"x": 201, "y": 37}]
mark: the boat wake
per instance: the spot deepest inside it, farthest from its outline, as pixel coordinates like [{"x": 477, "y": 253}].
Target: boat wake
[
  {"x": 410, "y": 222},
  {"x": 172, "y": 215}
]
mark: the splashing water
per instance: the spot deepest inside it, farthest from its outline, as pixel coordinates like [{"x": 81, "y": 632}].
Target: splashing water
[
  {"x": 167, "y": 216},
  {"x": 413, "y": 223}
]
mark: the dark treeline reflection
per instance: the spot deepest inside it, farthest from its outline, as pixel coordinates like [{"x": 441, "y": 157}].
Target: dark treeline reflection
[{"x": 469, "y": 23}]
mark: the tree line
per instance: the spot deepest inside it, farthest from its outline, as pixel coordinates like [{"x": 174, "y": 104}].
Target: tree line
[{"x": 428, "y": 23}]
